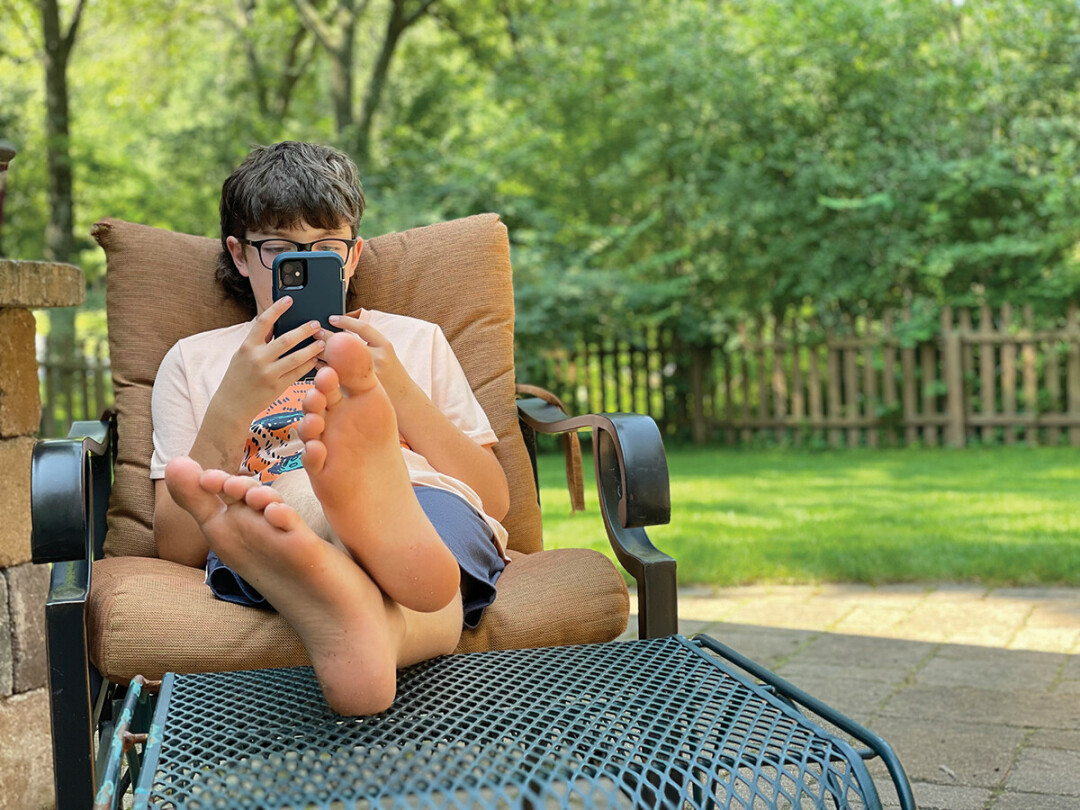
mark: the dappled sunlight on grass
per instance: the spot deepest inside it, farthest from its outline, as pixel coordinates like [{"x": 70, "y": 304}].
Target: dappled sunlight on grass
[{"x": 989, "y": 515}]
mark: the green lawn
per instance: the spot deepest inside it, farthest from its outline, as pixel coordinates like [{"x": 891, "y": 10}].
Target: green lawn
[{"x": 991, "y": 515}]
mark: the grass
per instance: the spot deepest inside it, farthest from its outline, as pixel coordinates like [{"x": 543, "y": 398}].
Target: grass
[{"x": 998, "y": 516}]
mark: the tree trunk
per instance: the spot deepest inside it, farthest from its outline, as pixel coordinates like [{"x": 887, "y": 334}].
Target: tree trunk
[
  {"x": 341, "y": 87},
  {"x": 395, "y": 27},
  {"x": 7, "y": 152},
  {"x": 60, "y": 232}
]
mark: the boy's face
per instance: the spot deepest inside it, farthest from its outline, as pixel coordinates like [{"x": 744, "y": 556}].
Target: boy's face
[{"x": 250, "y": 265}]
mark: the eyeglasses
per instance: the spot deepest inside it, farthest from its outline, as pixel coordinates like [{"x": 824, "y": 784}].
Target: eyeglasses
[{"x": 269, "y": 249}]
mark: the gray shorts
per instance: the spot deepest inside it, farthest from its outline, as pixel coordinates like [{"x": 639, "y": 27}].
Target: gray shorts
[{"x": 461, "y": 528}]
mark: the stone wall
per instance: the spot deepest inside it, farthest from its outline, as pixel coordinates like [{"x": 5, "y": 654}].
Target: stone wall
[{"x": 26, "y": 772}]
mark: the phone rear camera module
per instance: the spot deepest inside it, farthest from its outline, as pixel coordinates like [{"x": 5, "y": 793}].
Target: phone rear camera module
[{"x": 292, "y": 275}]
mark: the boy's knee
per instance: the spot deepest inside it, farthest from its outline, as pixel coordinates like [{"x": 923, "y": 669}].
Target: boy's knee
[{"x": 295, "y": 489}]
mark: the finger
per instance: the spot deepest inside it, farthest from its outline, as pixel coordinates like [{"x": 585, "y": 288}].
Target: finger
[
  {"x": 264, "y": 323},
  {"x": 292, "y": 366},
  {"x": 368, "y": 333},
  {"x": 294, "y": 337}
]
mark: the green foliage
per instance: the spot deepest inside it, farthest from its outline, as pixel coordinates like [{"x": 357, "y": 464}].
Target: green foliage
[{"x": 680, "y": 163}]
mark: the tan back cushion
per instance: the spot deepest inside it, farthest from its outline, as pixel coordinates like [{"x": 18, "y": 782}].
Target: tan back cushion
[{"x": 161, "y": 287}]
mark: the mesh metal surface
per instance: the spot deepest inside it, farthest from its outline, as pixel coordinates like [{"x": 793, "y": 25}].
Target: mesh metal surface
[{"x": 657, "y": 723}]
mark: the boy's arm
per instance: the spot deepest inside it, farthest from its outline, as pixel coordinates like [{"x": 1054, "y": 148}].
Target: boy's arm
[
  {"x": 258, "y": 373},
  {"x": 450, "y": 451},
  {"x": 428, "y": 431}
]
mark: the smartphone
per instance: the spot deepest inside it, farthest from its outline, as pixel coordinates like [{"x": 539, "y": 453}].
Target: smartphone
[{"x": 315, "y": 280}]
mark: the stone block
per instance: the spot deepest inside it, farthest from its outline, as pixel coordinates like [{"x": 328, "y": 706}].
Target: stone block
[
  {"x": 1046, "y": 770},
  {"x": 28, "y": 587},
  {"x": 929, "y": 796},
  {"x": 6, "y": 667},
  {"x": 891, "y": 656},
  {"x": 15, "y": 490},
  {"x": 20, "y": 399},
  {"x": 1013, "y": 800},
  {"x": 1000, "y": 707},
  {"x": 26, "y": 769},
  {"x": 963, "y": 666},
  {"x": 768, "y": 646},
  {"x": 36, "y": 285},
  {"x": 950, "y": 752}
]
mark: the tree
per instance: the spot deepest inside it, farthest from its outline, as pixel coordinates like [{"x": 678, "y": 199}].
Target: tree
[{"x": 335, "y": 30}]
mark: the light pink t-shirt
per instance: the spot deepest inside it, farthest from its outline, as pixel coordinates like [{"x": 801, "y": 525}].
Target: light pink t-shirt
[{"x": 193, "y": 369}]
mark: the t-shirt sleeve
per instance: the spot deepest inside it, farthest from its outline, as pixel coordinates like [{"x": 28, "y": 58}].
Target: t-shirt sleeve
[
  {"x": 451, "y": 393},
  {"x": 173, "y": 417}
]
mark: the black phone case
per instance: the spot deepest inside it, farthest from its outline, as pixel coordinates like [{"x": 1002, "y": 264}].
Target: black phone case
[{"x": 322, "y": 296}]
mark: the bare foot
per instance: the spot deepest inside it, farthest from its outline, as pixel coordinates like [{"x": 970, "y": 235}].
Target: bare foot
[
  {"x": 353, "y": 457},
  {"x": 352, "y": 634}
]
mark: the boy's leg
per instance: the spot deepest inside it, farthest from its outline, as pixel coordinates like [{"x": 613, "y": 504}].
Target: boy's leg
[
  {"x": 352, "y": 455},
  {"x": 355, "y": 636},
  {"x": 425, "y": 633}
]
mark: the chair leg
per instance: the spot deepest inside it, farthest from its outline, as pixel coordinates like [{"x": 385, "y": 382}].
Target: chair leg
[{"x": 69, "y": 694}]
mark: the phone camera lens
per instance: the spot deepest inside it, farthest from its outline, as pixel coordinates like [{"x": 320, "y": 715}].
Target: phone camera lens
[{"x": 292, "y": 274}]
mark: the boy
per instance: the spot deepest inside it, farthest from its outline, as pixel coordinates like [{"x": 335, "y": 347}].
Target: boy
[{"x": 372, "y": 525}]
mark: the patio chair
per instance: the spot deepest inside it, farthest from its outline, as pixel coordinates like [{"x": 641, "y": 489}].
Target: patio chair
[{"x": 115, "y": 610}]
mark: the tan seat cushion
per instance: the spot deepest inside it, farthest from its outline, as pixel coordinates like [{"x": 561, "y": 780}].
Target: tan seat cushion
[
  {"x": 150, "y": 616},
  {"x": 161, "y": 287}
]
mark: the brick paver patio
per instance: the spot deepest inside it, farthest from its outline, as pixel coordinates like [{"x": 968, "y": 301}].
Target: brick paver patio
[{"x": 977, "y": 689}]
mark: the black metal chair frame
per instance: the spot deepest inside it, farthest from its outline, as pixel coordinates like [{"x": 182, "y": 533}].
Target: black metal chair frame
[{"x": 70, "y": 485}]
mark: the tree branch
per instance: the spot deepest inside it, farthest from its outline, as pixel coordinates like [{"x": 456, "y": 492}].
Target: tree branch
[
  {"x": 316, "y": 25},
  {"x": 295, "y": 66},
  {"x": 244, "y": 11},
  {"x": 69, "y": 38},
  {"x": 420, "y": 12}
]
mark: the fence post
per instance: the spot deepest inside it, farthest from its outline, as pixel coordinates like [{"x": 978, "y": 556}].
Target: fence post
[
  {"x": 699, "y": 427},
  {"x": 1073, "y": 373},
  {"x": 954, "y": 380}
]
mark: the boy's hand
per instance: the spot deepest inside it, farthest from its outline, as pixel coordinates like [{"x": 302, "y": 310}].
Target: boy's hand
[
  {"x": 260, "y": 371},
  {"x": 393, "y": 376}
]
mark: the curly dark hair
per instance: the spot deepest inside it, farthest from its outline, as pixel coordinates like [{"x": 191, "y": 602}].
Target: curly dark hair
[{"x": 277, "y": 187}]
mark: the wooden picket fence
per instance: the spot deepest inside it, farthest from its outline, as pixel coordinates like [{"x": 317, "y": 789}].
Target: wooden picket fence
[
  {"x": 74, "y": 387},
  {"x": 985, "y": 376}
]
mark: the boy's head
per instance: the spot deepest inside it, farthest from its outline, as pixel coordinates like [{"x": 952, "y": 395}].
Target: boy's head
[{"x": 279, "y": 189}]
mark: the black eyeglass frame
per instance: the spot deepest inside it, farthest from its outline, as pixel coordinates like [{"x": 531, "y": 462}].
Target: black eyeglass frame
[{"x": 301, "y": 247}]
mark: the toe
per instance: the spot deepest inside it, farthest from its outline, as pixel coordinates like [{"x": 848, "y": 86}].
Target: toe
[
  {"x": 282, "y": 516},
  {"x": 327, "y": 383},
  {"x": 237, "y": 486},
  {"x": 314, "y": 456},
  {"x": 311, "y": 427},
  {"x": 314, "y": 401},
  {"x": 351, "y": 358},
  {"x": 259, "y": 498},
  {"x": 182, "y": 477}
]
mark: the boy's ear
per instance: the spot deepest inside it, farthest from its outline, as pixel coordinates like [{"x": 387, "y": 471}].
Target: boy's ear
[
  {"x": 236, "y": 250},
  {"x": 354, "y": 257}
]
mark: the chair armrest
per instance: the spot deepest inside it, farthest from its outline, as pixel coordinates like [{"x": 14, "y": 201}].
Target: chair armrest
[
  {"x": 70, "y": 481},
  {"x": 632, "y": 482}
]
